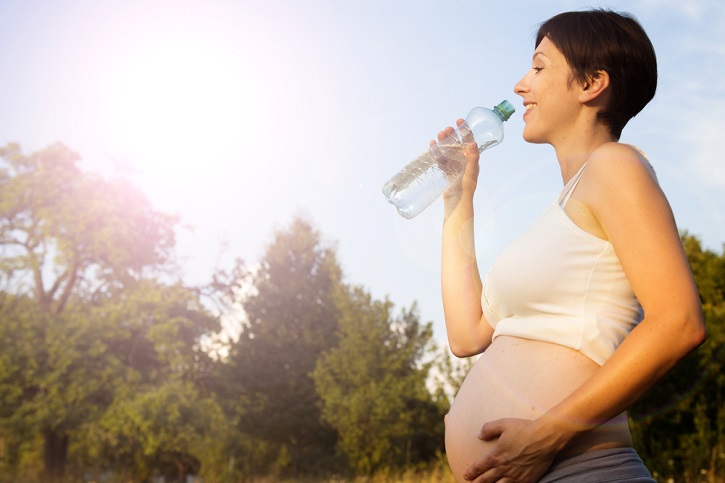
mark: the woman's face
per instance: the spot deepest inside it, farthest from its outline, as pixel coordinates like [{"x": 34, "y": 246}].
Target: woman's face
[{"x": 549, "y": 95}]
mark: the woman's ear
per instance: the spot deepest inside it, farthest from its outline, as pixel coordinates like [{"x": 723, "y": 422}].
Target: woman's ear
[{"x": 595, "y": 86}]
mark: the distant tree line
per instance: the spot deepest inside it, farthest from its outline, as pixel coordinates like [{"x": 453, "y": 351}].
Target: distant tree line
[{"x": 112, "y": 367}]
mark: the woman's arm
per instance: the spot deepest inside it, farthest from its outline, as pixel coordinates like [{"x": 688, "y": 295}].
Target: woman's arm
[
  {"x": 467, "y": 329},
  {"x": 628, "y": 203},
  {"x": 634, "y": 213}
]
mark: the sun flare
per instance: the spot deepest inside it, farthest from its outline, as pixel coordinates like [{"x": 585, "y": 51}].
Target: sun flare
[{"x": 178, "y": 103}]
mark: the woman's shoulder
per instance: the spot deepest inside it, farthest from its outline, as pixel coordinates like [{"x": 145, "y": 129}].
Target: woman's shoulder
[{"x": 621, "y": 163}]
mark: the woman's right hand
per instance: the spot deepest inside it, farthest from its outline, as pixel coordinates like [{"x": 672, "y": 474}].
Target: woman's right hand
[{"x": 466, "y": 183}]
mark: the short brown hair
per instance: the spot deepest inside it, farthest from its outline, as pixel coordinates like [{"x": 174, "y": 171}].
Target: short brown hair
[{"x": 603, "y": 40}]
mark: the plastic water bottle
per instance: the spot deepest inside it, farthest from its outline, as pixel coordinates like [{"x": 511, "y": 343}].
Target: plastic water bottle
[{"x": 422, "y": 181}]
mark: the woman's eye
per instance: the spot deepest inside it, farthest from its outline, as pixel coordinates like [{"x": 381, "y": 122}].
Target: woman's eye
[{"x": 537, "y": 69}]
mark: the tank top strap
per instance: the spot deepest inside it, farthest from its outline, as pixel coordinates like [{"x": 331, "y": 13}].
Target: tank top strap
[{"x": 570, "y": 186}]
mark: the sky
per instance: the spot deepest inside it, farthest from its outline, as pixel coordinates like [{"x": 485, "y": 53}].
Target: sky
[{"x": 239, "y": 115}]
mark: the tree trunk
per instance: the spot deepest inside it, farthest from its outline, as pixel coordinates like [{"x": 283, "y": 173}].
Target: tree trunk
[
  {"x": 180, "y": 470},
  {"x": 55, "y": 452}
]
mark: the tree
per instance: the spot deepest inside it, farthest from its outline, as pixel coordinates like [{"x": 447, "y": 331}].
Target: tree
[
  {"x": 68, "y": 239},
  {"x": 164, "y": 417},
  {"x": 165, "y": 429},
  {"x": 373, "y": 386},
  {"x": 66, "y": 233},
  {"x": 291, "y": 320}
]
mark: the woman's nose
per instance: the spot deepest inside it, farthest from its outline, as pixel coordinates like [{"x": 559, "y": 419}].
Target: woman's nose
[{"x": 522, "y": 86}]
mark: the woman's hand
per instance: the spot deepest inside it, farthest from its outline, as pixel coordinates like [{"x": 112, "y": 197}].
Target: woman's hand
[
  {"x": 523, "y": 452},
  {"x": 467, "y": 182}
]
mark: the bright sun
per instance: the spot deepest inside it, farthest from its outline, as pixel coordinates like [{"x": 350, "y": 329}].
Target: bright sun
[{"x": 179, "y": 102}]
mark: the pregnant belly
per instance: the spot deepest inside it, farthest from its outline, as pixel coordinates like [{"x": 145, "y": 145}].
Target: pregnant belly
[{"x": 518, "y": 378}]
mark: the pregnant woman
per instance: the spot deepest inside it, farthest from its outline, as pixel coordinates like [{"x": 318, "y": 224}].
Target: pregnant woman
[{"x": 580, "y": 316}]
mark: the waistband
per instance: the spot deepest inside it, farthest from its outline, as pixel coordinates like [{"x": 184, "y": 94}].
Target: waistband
[{"x": 599, "y": 466}]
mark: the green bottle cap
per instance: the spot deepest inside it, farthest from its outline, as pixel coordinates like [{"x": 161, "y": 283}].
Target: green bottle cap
[{"x": 504, "y": 110}]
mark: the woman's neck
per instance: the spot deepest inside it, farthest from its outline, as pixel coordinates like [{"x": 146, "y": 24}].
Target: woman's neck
[{"x": 573, "y": 152}]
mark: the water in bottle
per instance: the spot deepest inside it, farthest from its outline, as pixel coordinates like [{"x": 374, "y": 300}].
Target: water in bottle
[{"x": 423, "y": 180}]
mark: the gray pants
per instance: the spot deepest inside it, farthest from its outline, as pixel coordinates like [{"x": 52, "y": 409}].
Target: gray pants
[{"x": 617, "y": 464}]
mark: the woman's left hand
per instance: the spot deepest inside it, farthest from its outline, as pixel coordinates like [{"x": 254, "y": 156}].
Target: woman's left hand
[{"x": 522, "y": 452}]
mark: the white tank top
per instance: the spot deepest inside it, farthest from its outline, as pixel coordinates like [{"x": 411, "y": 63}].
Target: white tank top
[{"x": 558, "y": 283}]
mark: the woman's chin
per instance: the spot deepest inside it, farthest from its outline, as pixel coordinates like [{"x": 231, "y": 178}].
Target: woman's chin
[{"x": 531, "y": 136}]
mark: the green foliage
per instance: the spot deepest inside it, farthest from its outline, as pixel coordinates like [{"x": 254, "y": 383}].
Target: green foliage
[
  {"x": 67, "y": 233},
  {"x": 73, "y": 373},
  {"x": 91, "y": 328},
  {"x": 679, "y": 427},
  {"x": 322, "y": 370},
  {"x": 56, "y": 376},
  {"x": 155, "y": 330},
  {"x": 373, "y": 386},
  {"x": 163, "y": 429},
  {"x": 291, "y": 320}
]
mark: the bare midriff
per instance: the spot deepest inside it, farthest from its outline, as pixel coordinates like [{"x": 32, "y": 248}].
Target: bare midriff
[{"x": 520, "y": 378}]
